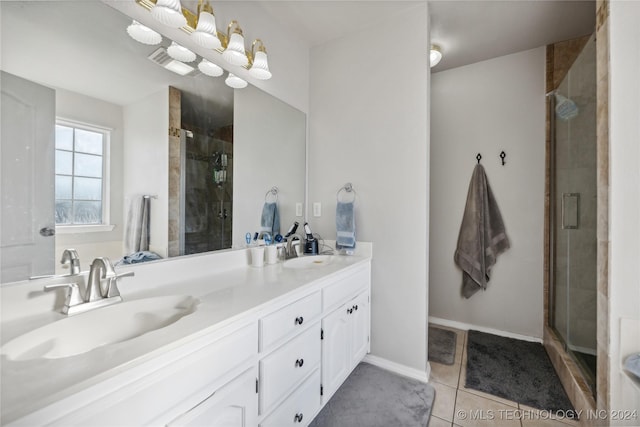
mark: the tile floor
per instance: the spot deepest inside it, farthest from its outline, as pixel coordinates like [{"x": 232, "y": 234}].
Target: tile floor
[{"x": 457, "y": 406}]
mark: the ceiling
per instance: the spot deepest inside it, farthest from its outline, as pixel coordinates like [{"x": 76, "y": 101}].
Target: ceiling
[{"x": 467, "y": 31}]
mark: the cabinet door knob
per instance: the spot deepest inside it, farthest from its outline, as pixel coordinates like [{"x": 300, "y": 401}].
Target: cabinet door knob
[
  {"x": 298, "y": 418},
  {"x": 299, "y": 363},
  {"x": 355, "y": 307},
  {"x": 299, "y": 320},
  {"x": 350, "y": 310}
]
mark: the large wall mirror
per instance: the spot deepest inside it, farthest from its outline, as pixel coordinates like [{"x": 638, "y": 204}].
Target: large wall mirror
[{"x": 79, "y": 93}]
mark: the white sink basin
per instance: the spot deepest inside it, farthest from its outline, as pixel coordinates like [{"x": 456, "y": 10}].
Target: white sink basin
[
  {"x": 108, "y": 325},
  {"x": 309, "y": 261}
]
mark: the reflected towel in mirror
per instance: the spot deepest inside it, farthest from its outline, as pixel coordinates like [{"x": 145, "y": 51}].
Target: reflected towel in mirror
[
  {"x": 137, "y": 229},
  {"x": 270, "y": 220}
]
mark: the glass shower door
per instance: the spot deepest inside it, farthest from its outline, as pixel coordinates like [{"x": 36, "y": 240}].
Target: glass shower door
[{"x": 574, "y": 291}]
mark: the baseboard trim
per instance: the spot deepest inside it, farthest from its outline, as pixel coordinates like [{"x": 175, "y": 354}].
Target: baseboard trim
[
  {"x": 399, "y": 369},
  {"x": 467, "y": 326}
]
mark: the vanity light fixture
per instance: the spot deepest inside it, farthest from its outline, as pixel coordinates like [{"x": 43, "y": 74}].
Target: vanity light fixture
[
  {"x": 234, "y": 53},
  {"x": 180, "y": 53},
  {"x": 259, "y": 67},
  {"x": 235, "y": 82},
  {"x": 209, "y": 68},
  {"x": 435, "y": 55},
  {"x": 206, "y": 33},
  {"x": 169, "y": 13},
  {"x": 142, "y": 34}
]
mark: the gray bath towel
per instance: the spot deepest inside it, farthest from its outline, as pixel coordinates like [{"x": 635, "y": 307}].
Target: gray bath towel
[
  {"x": 345, "y": 225},
  {"x": 482, "y": 235},
  {"x": 270, "y": 220}
]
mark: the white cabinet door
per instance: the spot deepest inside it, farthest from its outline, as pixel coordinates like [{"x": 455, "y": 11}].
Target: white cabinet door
[
  {"x": 336, "y": 356},
  {"x": 233, "y": 405},
  {"x": 359, "y": 320}
]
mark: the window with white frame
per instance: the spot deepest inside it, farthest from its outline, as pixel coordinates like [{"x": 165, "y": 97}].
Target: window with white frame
[{"x": 81, "y": 178}]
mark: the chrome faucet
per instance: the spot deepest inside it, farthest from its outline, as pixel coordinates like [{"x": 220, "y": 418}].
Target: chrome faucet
[
  {"x": 70, "y": 256},
  {"x": 96, "y": 295}
]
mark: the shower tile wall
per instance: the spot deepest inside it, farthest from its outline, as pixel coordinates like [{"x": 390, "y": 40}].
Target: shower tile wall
[{"x": 576, "y": 173}]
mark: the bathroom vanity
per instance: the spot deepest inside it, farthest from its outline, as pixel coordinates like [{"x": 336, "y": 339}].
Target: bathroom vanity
[{"x": 251, "y": 347}]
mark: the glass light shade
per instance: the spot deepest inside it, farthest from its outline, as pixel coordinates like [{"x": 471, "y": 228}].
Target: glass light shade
[
  {"x": 260, "y": 67},
  {"x": 142, "y": 34},
  {"x": 180, "y": 53},
  {"x": 434, "y": 56},
  {"x": 209, "y": 68},
  {"x": 235, "y": 82},
  {"x": 234, "y": 54},
  {"x": 169, "y": 13},
  {"x": 206, "y": 33}
]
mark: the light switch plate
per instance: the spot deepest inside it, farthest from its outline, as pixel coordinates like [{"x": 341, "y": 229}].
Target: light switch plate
[
  {"x": 299, "y": 209},
  {"x": 317, "y": 209}
]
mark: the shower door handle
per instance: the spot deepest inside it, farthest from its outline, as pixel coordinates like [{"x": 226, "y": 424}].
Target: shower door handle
[{"x": 570, "y": 210}]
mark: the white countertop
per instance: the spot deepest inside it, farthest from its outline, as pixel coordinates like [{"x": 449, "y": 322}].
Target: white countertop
[{"x": 225, "y": 297}]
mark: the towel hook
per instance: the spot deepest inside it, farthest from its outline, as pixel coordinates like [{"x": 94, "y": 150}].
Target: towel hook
[
  {"x": 478, "y": 157},
  {"x": 274, "y": 192},
  {"x": 502, "y": 156},
  {"x": 347, "y": 188}
]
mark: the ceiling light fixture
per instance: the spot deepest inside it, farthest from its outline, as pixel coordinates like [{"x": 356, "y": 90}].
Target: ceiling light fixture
[
  {"x": 258, "y": 60},
  {"x": 235, "y": 82},
  {"x": 435, "y": 55},
  {"x": 179, "y": 67},
  {"x": 209, "y": 68},
  {"x": 169, "y": 13},
  {"x": 234, "y": 53},
  {"x": 206, "y": 33},
  {"x": 180, "y": 53},
  {"x": 142, "y": 34}
]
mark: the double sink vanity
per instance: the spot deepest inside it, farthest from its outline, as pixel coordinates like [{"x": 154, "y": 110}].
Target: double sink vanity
[{"x": 199, "y": 340}]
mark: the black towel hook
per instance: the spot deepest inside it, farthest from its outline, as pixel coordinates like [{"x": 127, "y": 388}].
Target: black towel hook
[
  {"x": 502, "y": 156},
  {"x": 478, "y": 157}
]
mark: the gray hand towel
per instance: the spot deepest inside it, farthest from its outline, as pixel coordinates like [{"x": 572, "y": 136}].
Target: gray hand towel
[
  {"x": 270, "y": 220},
  {"x": 345, "y": 225},
  {"x": 482, "y": 235}
]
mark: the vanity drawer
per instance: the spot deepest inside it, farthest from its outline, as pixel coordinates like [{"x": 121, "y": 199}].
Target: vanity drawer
[
  {"x": 287, "y": 366},
  {"x": 300, "y": 407},
  {"x": 283, "y": 322},
  {"x": 345, "y": 288}
]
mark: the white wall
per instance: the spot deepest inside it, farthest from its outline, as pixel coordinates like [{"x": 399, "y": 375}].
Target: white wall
[
  {"x": 487, "y": 107},
  {"x": 146, "y": 155},
  {"x": 92, "y": 111},
  {"x": 268, "y": 150},
  {"x": 369, "y": 126},
  {"x": 624, "y": 200}
]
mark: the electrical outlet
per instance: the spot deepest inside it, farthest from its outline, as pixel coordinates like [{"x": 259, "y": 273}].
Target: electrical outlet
[
  {"x": 299, "y": 209},
  {"x": 317, "y": 209}
]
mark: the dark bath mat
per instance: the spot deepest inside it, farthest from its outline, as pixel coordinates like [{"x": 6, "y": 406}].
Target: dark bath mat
[
  {"x": 442, "y": 346},
  {"x": 373, "y": 397},
  {"x": 513, "y": 369}
]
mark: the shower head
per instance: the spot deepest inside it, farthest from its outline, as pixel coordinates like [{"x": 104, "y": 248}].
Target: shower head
[{"x": 566, "y": 109}]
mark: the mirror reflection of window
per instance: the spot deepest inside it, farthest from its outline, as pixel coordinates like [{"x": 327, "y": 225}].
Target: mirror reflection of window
[{"x": 81, "y": 180}]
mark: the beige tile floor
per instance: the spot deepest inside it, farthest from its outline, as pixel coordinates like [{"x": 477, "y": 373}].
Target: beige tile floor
[{"x": 458, "y": 406}]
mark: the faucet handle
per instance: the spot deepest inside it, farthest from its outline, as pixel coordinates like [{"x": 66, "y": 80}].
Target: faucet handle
[
  {"x": 112, "y": 283},
  {"x": 73, "y": 297}
]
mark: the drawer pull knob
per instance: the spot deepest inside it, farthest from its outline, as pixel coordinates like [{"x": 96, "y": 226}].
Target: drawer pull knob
[
  {"x": 299, "y": 320},
  {"x": 299, "y": 363},
  {"x": 298, "y": 418}
]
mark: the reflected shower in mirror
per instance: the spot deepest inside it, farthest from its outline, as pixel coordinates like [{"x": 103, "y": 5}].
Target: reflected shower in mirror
[{"x": 206, "y": 190}]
